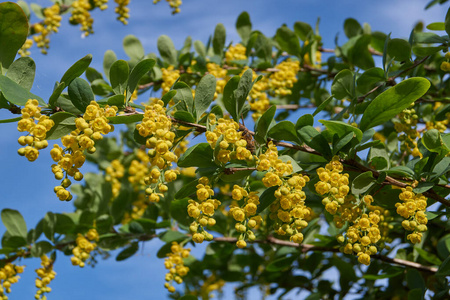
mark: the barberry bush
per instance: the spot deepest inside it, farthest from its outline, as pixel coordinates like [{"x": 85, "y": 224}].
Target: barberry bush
[{"x": 225, "y": 155}]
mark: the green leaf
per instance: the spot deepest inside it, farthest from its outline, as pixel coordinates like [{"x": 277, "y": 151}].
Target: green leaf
[
  {"x": 437, "y": 26},
  {"x": 284, "y": 131},
  {"x": 64, "y": 124},
  {"x": 219, "y": 39},
  {"x": 429, "y": 257},
  {"x": 242, "y": 91},
  {"x": 229, "y": 99},
  {"x": 76, "y": 70},
  {"x": 280, "y": 264},
  {"x": 401, "y": 171},
  {"x": 13, "y": 32},
  {"x": 118, "y": 76},
  {"x": 80, "y": 94},
  {"x": 126, "y": 119},
  {"x": 37, "y": 10},
  {"x": 322, "y": 106},
  {"x": 315, "y": 140},
  {"x": 399, "y": 49},
  {"x": 288, "y": 41},
  {"x": 362, "y": 183},
  {"x": 204, "y": 94},
  {"x": 200, "y": 48},
  {"x": 263, "y": 47},
  {"x": 244, "y": 26},
  {"x": 108, "y": 59},
  {"x": 425, "y": 51},
  {"x": 415, "y": 280},
  {"x": 92, "y": 74},
  {"x": 267, "y": 198},
  {"x": 22, "y": 71},
  {"x": 447, "y": 22},
  {"x": 183, "y": 115},
  {"x": 40, "y": 248},
  {"x": 303, "y": 30},
  {"x": 178, "y": 210},
  {"x": 342, "y": 129},
  {"x": 59, "y": 88},
  {"x": 352, "y": 28},
  {"x": 304, "y": 120},
  {"x": 128, "y": 252},
  {"x": 139, "y": 70},
  {"x": 263, "y": 124},
  {"x": 369, "y": 79},
  {"x": 133, "y": 47},
  {"x": 393, "y": 101},
  {"x": 432, "y": 140},
  {"x": 183, "y": 95},
  {"x": 167, "y": 50},
  {"x": 169, "y": 96},
  {"x": 16, "y": 94},
  {"x": 444, "y": 268},
  {"x": 14, "y": 222},
  {"x": 117, "y": 100},
  {"x": 11, "y": 120},
  {"x": 170, "y": 236},
  {"x": 343, "y": 85},
  {"x": 200, "y": 155},
  {"x": 24, "y": 6},
  {"x": 357, "y": 51},
  {"x": 187, "y": 190},
  {"x": 295, "y": 167}
]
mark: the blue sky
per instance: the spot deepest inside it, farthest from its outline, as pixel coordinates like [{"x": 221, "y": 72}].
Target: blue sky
[{"x": 28, "y": 187}]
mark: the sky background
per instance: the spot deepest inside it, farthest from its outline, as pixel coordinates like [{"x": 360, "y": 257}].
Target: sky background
[{"x": 28, "y": 187}]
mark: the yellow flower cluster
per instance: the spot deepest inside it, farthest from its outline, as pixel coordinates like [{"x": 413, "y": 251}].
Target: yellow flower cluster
[
  {"x": 24, "y": 50},
  {"x": 384, "y": 224},
  {"x": 259, "y": 99},
  {"x": 236, "y": 52},
  {"x": 50, "y": 24},
  {"x": 174, "y": 263},
  {"x": 202, "y": 210},
  {"x": 334, "y": 186},
  {"x": 445, "y": 65},
  {"x": 122, "y": 10},
  {"x": 362, "y": 237},
  {"x": 439, "y": 125},
  {"x": 226, "y": 136},
  {"x": 174, "y": 4},
  {"x": 221, "y": 77},
  {"x": 113, "y": 174},
  {"x": 45, "y": 276},
  {"x": 282, "y": 81},
  {"x": 289, "y": 211},
  {"x": 210, "y": 284},
  {"x": 81, "y": 15},
  {"x": 169, "y": 76},
  {"x": 245, "y": 214},
  {"x": 8, "y": 276},
  {"x": 407, "y": 127},
  {"x": 138, "y": 170},
  {"x": 156, "y": 127},
  {"x": 102, "y": 4},
  {"x": 90, "y": 128},
  {"x": 412, "y": 208},
  {"x": 35, "y": 139},
  {"x": 84, "y": 247}
]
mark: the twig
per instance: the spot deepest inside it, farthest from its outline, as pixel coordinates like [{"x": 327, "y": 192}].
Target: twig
[{"x": 307, "y": 247}]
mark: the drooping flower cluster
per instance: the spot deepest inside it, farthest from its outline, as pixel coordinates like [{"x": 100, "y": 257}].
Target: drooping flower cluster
[
  {"x": 412, "y": 208},
  {"x": 225, "y": 135},
  {"x": 8, "y": 276},
  {"x": 174, "y": 4},
  {"x": 156, "y": 127},
  {"x": 24, "y": 50},
  {"x": 202, "y": 210},
  {"x": 85, "y": 245},
  {"x": 138, "y": 208},
  {"x": 69, "y": 159},
  {"x": 259, "y": 99},
  {"x": 35, "y": 139},
  {"x": 282, "y": 81},
  {"x": 169, "y": 76},
  {"x": 114, "y": 173},
  {"x": 122, "y": 10},
  {"x": 50, "y": 24},
  {"x": 174, "y": 263},
  {"x": 81, "y": 15},
  {"x": 45, "y": 276},
  {"x": 245, "y": 214},
  {"x": 212, "y": 283},
  {"x": 102, "y": 4},
  {"x": 408, "y": 134}
]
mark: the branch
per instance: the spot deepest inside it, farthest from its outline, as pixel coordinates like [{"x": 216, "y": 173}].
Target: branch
[{"x": 307, "y": 247}]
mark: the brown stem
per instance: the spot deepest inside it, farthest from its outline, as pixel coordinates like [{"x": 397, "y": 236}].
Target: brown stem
[{"x": 307, "y": 247}]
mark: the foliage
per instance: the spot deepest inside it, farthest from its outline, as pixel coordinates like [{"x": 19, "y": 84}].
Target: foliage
[{"x": 366, "y": 192}]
